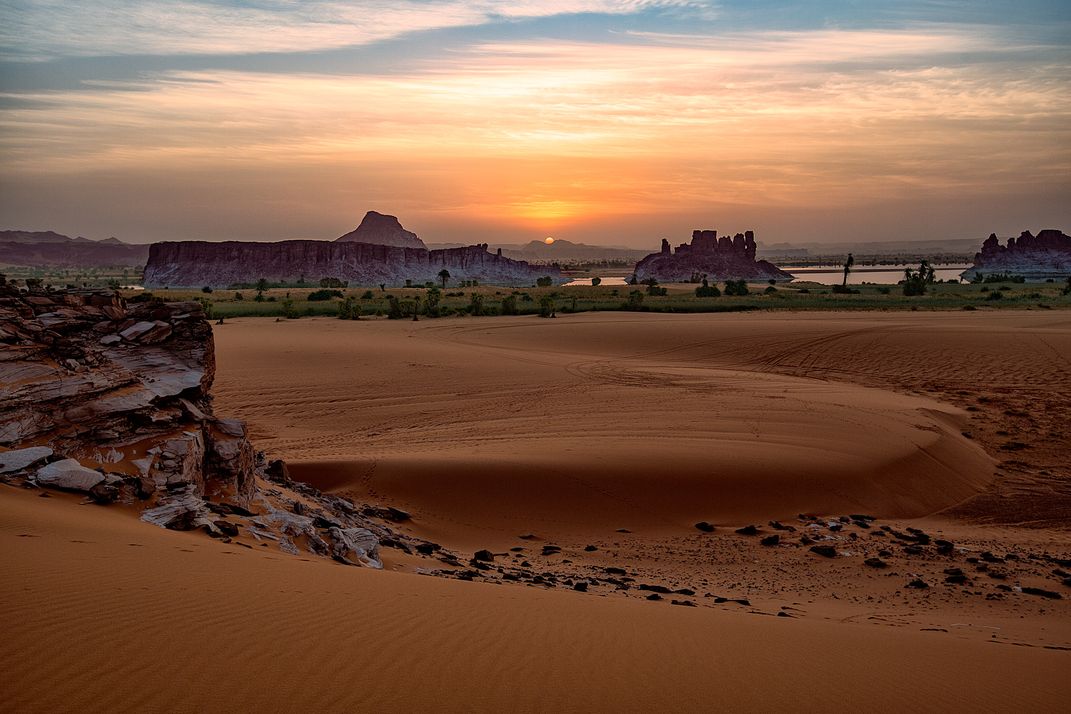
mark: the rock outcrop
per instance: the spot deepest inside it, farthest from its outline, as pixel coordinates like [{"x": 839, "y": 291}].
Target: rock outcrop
[
  {"x": 1046, "y": 255},
  {"x": 111, "y": 400},
  {"x": 708, "y": 255},
  {"x": 379, "y": 229},
  {"x": 199, "y": 263}
]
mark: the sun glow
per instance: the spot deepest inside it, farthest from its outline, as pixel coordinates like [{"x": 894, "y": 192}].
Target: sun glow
[{"x": 548, "y": 240}]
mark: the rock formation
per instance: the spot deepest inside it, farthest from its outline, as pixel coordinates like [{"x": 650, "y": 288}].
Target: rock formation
[
  {"x": 1046, "y": 255},
  {"x": 49, "y": 249},
  {"x": 717, "y": 258},
  {"x": 199, "y": 263},
  {"x": 111, "y": 399},
  {"x": 379, "y": 229}
]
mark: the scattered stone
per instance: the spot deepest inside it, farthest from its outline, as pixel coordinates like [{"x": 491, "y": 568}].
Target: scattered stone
[
  {"x": 944, "y": 547},
  {"x": 748, "y": 531},
  {"x": 590, "y": 549},
  {"x": 918, "y": 584},
  {"x": 705, "y": 527},
  {"x": 683, "y": 603},
  {"x": 580, "y": 586},
  {"x": 771, "y": 540},
  {"x": 227, "y": 528},
  {"x": 427, "y": 548},
  {"x": 654, "y": 596},
  {"x": 484, "y": 556},
  {"x": 875, "y": 563},
  {"x": 104, "y": 493},
  {"x": 826, "y": 551}
]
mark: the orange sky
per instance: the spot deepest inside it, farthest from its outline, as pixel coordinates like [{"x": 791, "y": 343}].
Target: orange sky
[{"x": 618, "y": 125}]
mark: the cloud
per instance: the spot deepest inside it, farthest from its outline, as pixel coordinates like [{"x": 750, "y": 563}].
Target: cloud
[{"x": 40, "y": 29}]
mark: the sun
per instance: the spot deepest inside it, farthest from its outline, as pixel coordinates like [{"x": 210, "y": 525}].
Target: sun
[{"x": 548, "y": 240}]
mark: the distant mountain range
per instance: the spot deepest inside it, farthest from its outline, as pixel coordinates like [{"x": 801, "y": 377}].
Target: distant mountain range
[
  {"x": 55, "y": 250},
  {"x": 560, "y": 251}
]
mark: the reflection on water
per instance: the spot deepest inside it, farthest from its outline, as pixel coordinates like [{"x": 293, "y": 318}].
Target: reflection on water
[
  {"x": 587, "y": 281},
  {"x": 882, "y": 275}
]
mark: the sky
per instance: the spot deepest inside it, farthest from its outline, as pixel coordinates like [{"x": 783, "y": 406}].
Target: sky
[{"x": 613, "y": 122}]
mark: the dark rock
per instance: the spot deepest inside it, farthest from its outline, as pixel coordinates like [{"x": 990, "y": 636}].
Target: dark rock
[
  {"x": 227, "y": 528},
  {"x": 654, "y": 596},
  {"x": 918, "y": 584},
  {"x": 875, "y": 563},
  {"x": 654, "y": 588},
  {"x": 944, "y": 547},
  {"x": 683, "y": 603},
  {"x": 1042, "y": 593},
  {"x": 771, "y": 540},
  {"x": 725, "y": 259},
  {"x": 705, "y": 527},
  {"x": 484, "y": 555},
  {"x": 104, "y": 493},
  {"x": 748, "y": 531},
  {"x": 590, "y": 549},
  {"x": 826, "y": 551},
  {"x": 580, "y": 586},
  {"x": 427, "y": 548}
]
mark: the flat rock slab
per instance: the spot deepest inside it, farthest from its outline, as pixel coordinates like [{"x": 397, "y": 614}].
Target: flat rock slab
[
  {"x": 69, "y": 474},
  {"x": 18, "y": 459}
]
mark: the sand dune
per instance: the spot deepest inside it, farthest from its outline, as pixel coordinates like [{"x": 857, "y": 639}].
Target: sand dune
[
  {"x": 112, "y": 615},
  {"x": 586, "y": 423}
]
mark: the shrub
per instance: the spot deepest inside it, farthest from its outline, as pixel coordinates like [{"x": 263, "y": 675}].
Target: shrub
[
  {"x": 509, "y": 305},
  {"x": 884, "y": 290},
  {"x": 367, "y": 295},
  {"x": 736, "y": 287},
  {"x": 476, "y": 305},
  {"x": 546, "y": 306},
  {"x": 544, "y": 282},
  {"x": 348, "y": 309},
  {"x": 707, "y": 290},
  {"x": 289, "y": 311},
  {"x": 596, "y": 282},
  {"x": 770, "y": 290},
  {"x": 916, "y": 281},
  {"x": 331, "y": 283},
  {"x": 206, "y": 289},
  {"x": 206, "y": 306},
  {"x": 321, "y": 295},
  {"x": 238, "y": 297},
  {"x": 635, "y": 301},
  {"x": 995, "y": 296},
  {"x": 843, "y": 290},
  {"x": 394, "y": 309}
]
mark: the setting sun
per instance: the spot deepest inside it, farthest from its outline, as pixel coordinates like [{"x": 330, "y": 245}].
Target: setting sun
[{"x": 548, "y": 240}]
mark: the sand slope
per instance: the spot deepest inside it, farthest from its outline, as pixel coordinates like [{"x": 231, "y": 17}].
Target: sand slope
[
  {"x": 103, "y": 613},
  {"x": 608, "y": 421}
]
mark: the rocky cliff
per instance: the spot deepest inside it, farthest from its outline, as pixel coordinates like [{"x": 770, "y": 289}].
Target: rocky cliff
[
  {"x": 379, "y": 229},
  {"x": 198, "y": 263},
  {"x": 111, "y": 400},
  {"x": 1046, "y": 255},
  {"x": 708, "y": 255}
]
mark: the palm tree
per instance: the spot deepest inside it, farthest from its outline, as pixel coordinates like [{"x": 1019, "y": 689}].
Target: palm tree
[
  {"x": 848, "y": 268},
  {"x": 444, "y": 275}
]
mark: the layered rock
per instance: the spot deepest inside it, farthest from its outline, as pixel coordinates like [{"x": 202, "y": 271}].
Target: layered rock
[
  {"x": 708, "y": 255},
  {"x": 1046, "y": 255},
  {"x": 111, "y": 399},
  {"x": 199, "y": 263},
  {"x": 379, "y": 229}
]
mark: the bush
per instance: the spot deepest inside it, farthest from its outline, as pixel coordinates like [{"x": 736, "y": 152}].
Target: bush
[
  {"x": 238, "y": 297},
  {"x": 635, "y": 301},
  {"x": 289, "y": 311},
  {"x": 206, "y": 306},
  {"x": 546, "y": 306},
  {"x": 394, "y": 309},
  {"x": 321, "y": 295},
  {"x": 367, "y": 295},
  {"x": 844, "y": 290},
  {"x": 206, "y": 289},
  {"x": 707, "y": 290},
  {"x": 596, "y": 282},
  {"x": 509, "y": 305},
  {"x": 770, "y": 290},
  {"x": 544, "y": 282},
  {"x": 736, "y": 287},
  {"x": 995, "y": 296},
  {"x": 476, "y": 305},
  {"x": 332, "y": 283},
  {"x": 348, "y": 309}
]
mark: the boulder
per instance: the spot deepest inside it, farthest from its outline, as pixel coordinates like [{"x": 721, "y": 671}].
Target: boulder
[
  {"x": 19, "y": 459},
  {"x": 68, "y": 474}
]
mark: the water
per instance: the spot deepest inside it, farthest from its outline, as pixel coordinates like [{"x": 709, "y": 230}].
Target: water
[{"x": 881, "y": 275}]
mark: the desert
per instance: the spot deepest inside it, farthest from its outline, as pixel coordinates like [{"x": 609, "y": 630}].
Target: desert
[{"x": 580, "y": 477}]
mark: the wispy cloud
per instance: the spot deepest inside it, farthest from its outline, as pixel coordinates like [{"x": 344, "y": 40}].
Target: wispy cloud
[{"x": 38, "y": 29}]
